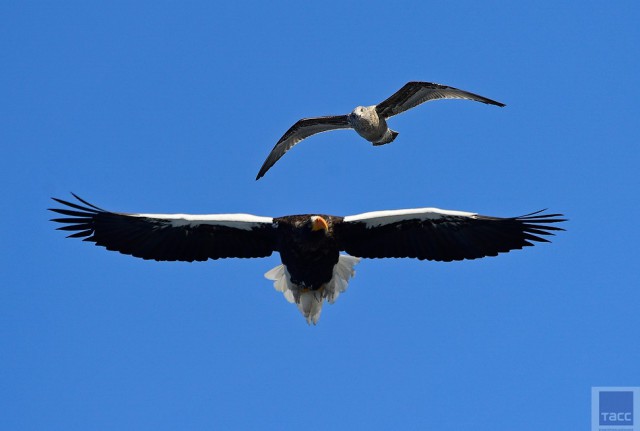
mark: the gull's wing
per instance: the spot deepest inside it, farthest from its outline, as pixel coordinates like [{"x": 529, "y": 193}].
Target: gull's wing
[
  {"x": 299, "y": 131},
  {"x": 441, "y": 235},
  {"x": 415, "y": 93},
  {"x": 181, "y": 237}
]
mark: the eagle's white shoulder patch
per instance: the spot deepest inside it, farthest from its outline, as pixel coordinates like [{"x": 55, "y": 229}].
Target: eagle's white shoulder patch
[
  {"x": 379, "y": 218},
  {"x": 237, "y": 221}
]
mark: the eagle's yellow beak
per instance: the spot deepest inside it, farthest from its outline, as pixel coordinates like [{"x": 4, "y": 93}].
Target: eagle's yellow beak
[{"x": 318, "y": 223}]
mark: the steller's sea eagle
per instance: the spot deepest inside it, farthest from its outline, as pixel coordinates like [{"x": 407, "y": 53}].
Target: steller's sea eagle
[
  {"x": 369, "y": 121},
  {"x": 312, "y": 267}
]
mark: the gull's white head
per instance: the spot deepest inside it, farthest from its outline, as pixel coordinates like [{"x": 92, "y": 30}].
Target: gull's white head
[
  {"x": 363, "y": 115},
  {"x": 359, "y": 112}
]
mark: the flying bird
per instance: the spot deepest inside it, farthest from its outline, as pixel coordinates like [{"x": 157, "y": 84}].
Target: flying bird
[
  {"x": 369, "y": 121},
  {"x": 312, "y": 269}
]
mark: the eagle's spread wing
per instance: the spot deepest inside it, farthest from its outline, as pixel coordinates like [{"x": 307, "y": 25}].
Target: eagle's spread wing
[
  {"x": 434, "y": 234},
  {"x": 299, "y": 131},
  {"x": 415, "y": 93},
  {"x": 181, "y": 237}
]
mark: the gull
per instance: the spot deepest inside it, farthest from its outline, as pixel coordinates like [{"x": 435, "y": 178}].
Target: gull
[{"x": 370, "y": 122}]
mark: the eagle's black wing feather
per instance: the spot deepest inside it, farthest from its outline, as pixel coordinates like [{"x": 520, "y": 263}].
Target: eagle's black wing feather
[
  {"x": 169, "y": 237},
  {"x": 429, "y": 233}
]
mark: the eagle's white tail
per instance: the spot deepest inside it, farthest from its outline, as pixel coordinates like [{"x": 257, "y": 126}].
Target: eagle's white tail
[{"x": 309, "y": 302}]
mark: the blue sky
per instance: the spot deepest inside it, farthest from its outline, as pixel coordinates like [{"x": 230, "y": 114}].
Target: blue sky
[{"x": 172, "y": 107}]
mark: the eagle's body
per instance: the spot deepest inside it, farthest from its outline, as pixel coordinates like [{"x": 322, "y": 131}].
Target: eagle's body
[
  {"x": 370, "y": 122},
  {"x": 312, "y": 267},
  {"x": 309, "y": 255}
]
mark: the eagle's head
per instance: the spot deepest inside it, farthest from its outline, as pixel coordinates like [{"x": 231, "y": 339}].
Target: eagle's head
[{"x": 318, "y": 223}]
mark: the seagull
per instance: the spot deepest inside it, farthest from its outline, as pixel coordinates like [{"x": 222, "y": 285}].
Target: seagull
[
  {"x": 370, "y": 122},
  {"x": 313, "y": 270}
]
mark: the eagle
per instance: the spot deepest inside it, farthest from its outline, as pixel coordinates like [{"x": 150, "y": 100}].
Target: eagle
[
  {"x": 313, "y": 270},
  {"x": 370, "y": 122}
]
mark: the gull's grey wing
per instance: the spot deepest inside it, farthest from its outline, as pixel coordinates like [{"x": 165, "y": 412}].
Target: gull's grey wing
[
  {"x": 414, "y": 93},
  {"x": 440, "y": 235},
  {"x": 299, "y": 131},
  {"x": 173, "y": 237}
]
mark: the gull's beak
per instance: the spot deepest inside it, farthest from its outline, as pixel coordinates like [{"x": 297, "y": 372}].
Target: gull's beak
[{"x": 318, "y": 223}]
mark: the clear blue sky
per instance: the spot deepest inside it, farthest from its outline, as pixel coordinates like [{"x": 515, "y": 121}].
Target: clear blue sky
[{"x": 145, "y": 107}]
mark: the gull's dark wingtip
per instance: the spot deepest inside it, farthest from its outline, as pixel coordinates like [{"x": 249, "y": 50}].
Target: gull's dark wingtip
[
  {"x": 492, "y": 102},
  {"x": 268, "y": 164},
  {"x": 261, "y": 173}
]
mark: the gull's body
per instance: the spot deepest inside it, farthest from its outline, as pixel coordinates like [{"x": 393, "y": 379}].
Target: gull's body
[
  {"x": 370, "y": 122},
  {"x": 371, "y": 126}
]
